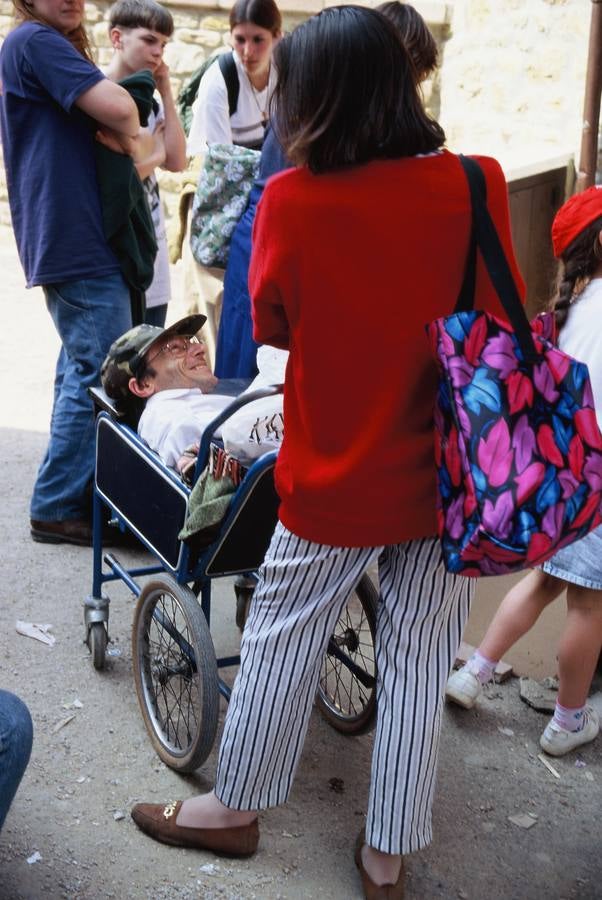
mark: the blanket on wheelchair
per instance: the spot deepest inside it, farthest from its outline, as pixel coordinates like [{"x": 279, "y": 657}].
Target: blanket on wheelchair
[
  {"x": 211, "y": 495},
  {"x": 208, "y": 503}
]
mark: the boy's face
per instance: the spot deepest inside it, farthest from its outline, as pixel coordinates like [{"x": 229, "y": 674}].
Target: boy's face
[{"x": 140, "y": 48}]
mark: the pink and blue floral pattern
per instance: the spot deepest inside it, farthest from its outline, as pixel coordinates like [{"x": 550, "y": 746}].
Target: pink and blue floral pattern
[{"x": 517, "y": 446}]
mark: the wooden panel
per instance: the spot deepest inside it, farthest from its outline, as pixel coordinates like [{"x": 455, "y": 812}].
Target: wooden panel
[{"x": 533, "y": 204}]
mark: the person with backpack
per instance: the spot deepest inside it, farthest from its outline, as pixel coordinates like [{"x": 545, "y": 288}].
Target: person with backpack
[
  {"x": 236, "y": 350},
  {"x": 233, "y": 102},
  {"x": 577, "y": 242},
  {"x": 232, "y": 107}
]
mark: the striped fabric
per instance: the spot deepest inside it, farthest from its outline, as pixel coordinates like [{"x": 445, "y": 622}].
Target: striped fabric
[{"x": 302, "y": 589}]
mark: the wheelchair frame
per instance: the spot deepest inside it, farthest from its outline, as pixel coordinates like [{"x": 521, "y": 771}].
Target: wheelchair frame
[{"x": 152, "y": 504}]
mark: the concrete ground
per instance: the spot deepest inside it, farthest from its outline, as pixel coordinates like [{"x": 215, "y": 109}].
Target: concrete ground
[{"x": 66, "y": 837}]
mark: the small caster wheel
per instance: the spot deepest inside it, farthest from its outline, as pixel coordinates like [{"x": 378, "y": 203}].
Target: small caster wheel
[{"x": 97, "y": 643}]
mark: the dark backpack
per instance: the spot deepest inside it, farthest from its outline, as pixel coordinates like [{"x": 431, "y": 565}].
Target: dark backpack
[{"x": 187, "y": 95}]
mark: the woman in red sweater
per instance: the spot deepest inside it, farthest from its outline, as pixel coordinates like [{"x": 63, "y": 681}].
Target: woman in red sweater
[{"x": 355, "y": 250}]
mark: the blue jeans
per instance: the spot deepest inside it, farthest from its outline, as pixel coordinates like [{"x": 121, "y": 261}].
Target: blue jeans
[
  {"x": 16, "y": 737},
  {"x": 88, "y": 315}
]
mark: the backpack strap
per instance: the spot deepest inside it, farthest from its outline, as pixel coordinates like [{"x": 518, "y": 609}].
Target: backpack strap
[{"x": 228, "y": 69}]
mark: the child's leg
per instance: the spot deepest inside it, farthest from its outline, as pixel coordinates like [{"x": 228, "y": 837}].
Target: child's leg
[
  {"x": 573, "y": 724},
  {"x": 519, "y": 611},
  {"x": 580, "y": 645}
]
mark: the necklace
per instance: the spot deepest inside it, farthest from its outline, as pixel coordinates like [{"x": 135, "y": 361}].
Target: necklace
[{"x": 262, "y": 112}]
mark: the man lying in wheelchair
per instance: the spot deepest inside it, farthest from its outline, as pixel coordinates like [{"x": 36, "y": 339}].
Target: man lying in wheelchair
[
  {"x": 159, "y": 382},
  {"x": 161, "y": 377}
]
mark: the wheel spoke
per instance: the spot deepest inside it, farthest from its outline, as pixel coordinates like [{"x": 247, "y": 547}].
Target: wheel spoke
[{"x": 347, "y": 683}]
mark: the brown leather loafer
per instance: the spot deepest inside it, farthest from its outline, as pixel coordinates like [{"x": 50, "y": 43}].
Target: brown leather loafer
[
  {"x": 377, "y": 891},
  {"x": 159, "y": 822},
  {"x": 79, "y": 532},
  {"x": 66, "y": 531}
]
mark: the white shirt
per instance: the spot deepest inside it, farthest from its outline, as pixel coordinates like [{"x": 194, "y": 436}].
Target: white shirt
[
  {"x": 581, "y": 337},
  {"x": 175, "y": 419},
  {"x": 159, "y": 291},
  {"x": 211, "y": 122}
]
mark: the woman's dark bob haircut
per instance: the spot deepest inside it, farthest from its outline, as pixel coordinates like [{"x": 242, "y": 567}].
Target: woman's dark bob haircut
[
  {"x": 263, "y": 13},
  {"x": 347, "y": 93}
]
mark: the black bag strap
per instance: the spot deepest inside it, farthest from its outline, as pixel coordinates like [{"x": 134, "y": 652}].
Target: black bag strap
[
  {"x": 484, "y": 236},
  {"x": 228, "y": 70}
]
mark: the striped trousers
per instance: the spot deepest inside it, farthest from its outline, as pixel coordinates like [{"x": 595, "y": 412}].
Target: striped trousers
[{"x": 302, "y": 589}]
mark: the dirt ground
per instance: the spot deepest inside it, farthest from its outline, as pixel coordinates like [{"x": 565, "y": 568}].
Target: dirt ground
[{"x": 73, "y": 805}]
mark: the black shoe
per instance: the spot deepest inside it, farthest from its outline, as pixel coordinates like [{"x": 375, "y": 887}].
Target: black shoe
[{"x": 67, "y": 531}]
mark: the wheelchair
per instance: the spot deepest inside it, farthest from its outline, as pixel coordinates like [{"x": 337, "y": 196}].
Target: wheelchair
[{"x": 176, "y": 670}]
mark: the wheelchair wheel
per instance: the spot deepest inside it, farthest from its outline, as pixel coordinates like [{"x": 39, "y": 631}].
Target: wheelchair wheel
[
  {"x": 347, "y": 688},
  {"x": 175, "y": 672},
  {"x": 97, "y": 644}
]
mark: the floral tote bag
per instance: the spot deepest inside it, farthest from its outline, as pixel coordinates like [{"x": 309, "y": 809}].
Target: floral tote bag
[
  {"x": 517, "y": 446},
  {"x": 221, "y": 198}
]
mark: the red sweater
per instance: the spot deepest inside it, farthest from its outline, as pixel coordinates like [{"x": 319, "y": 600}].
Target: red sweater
[{"x": 346, "y": 271}]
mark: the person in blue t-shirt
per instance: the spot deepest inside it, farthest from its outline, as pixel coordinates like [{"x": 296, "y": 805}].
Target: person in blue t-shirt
[{"x": 55, "y": 103}]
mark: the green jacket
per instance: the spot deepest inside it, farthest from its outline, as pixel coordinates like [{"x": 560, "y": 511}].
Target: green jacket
[{"x": 127, "y": 222}]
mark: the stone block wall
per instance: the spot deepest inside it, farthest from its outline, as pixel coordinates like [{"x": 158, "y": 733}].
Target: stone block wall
[
  {"x": 511, "y": 79},
  {"x": 201, "y": 28}
]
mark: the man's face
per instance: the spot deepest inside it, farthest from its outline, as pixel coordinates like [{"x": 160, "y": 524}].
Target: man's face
[{"x": 178, "y": 362}]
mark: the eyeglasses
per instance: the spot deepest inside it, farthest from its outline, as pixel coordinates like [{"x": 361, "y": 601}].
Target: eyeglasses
[{"x": 177, "y": 347}]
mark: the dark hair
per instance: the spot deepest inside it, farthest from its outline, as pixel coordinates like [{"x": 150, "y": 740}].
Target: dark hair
[
  {"x": 25, "y": 12},
  {"x": 415, "y": 34},
  {"x": 263, "y": 13},
  {"x": 347, "y": 93},
  {"x": 578, "y": 264},
  {"x": 141, "y": 14}
]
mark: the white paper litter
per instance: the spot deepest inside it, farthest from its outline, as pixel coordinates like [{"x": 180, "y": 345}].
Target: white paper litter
[
  {"x": 524, "y": 820},
  {"x": 37, "y": 631},
  {"x": 209, "y": 869},
  {"x": 34, "y": 858}
]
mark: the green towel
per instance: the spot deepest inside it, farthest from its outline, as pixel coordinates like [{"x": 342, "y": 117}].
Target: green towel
[{"x": 208, "y": 503}]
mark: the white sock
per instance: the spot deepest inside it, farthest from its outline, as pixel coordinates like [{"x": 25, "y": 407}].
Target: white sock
[
  {"x": 482, "y": 667},
  {"x": 569, "y": 719}
]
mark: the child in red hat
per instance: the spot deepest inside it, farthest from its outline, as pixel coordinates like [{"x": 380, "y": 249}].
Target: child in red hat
[{"x": 577, "y": 242}]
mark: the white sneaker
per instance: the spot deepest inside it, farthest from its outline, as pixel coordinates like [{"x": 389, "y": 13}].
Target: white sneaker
[
  {"x": 557, "y": 741},
  {"x": 463, "y": 687}
]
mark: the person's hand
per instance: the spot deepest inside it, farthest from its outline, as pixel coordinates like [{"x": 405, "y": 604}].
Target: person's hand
[
  {"x": 161, "y": 76},
  {"x": 116, "y": 141}
]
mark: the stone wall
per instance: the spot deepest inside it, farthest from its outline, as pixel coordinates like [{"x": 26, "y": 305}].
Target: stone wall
[{"x": 511, "y": 80}]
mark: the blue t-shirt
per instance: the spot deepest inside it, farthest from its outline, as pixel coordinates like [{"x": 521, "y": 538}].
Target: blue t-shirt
[{"x": 49, "y": 158}]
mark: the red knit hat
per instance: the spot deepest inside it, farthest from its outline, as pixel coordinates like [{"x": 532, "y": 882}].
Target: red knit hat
[{"x": 578, "y": 212}]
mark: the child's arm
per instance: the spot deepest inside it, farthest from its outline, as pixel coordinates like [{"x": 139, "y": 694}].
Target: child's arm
[{"x": 173, "y": 135}]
